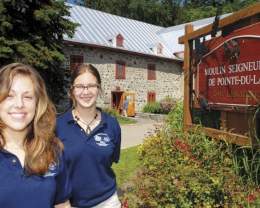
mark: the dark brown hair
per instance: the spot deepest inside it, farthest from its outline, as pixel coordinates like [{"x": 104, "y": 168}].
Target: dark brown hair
[{"x": 81, "y": 69}]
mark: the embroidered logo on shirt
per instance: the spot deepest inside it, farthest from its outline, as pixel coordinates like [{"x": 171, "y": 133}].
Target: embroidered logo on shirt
[
  {"x": 52, "y": 171},
  {"x": 102, "y": 139}
]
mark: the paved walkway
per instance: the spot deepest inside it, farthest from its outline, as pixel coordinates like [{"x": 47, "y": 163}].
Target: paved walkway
[{"x": 134, "y": 134}]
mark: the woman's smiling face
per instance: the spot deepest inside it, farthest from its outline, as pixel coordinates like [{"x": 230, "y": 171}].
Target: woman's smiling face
[
  {"x": 17, "y": 110},
  {"x": 86, "y": 90}
]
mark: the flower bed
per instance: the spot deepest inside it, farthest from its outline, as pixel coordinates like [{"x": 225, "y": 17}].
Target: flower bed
[{"x": 191, "y": 170}]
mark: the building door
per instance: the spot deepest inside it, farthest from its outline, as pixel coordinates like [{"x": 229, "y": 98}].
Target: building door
[
  {"x": 130, "y": 96},
  {"x": 151, "y": 97},
  {"x": 116, "y": 100}
]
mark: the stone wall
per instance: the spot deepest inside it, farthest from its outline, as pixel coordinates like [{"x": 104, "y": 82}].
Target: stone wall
[{"x": 169, "y": 75}]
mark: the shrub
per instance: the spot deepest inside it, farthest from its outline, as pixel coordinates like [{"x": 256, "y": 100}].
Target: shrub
[
  {"x": 167, "y": 104},
  {"x": 153, "y": 107},
  {"x": 247, "y": 164},
  {"x": 188, "y": 170},
  {"x": 121, "y": 119},
  {"x": 162, "y": 107},
  {"x": 174, "y": 119},
  {"x": 111, "y": 112}
]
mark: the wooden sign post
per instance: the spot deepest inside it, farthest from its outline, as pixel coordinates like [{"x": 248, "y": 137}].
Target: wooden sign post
[{"x": 222, "y": 76}]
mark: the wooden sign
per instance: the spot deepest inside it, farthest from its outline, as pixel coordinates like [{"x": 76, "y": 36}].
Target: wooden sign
[{"x": 229, "y": 73}]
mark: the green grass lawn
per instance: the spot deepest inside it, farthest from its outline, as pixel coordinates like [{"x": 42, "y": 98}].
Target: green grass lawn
[
  {"x": 123, "y": 120},
  {"x": 127, "y": 165}
]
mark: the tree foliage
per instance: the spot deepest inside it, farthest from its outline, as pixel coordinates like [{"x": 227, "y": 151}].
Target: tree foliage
[
  {"x": 31, "y": 31},
  {"x": 158, "y": 12},
  {"x": 166, "y": 12},
  {"x": 197, "y": 9}
]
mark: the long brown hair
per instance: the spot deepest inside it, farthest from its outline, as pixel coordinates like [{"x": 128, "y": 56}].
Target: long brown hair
[{"x": 41, "y": 146}]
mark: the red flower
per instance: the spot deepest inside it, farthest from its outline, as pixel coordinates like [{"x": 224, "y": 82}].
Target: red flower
[
  {"x": 125, "y": 204},
  {"x": 183, "y": 147},
  {"x": 251, "y": 198}
]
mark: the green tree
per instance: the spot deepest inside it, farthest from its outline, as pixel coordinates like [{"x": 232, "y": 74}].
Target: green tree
[
  {"x": 31, "y": 31},
  {"x": 197, "y": 9},
  {"x": 167, "y": 12},
  {"x": 113, "y": 6},
  {"x": 158, "y": 12},
  {"x": 78, "y": 2}
]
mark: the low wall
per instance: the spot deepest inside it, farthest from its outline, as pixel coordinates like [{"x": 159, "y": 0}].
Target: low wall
[{"x": 153, "y": 116}]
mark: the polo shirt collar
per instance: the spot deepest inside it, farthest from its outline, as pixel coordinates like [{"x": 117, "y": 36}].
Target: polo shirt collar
[
  {"x": 5, "y": 152},
  {"x": 69, "y": 117}
]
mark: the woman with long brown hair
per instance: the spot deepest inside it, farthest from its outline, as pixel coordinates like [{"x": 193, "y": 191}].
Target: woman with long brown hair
[{"x": 32, "y": 171}]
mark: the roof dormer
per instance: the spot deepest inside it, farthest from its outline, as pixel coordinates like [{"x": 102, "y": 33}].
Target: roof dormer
[
  {"x": 159, "y": 49},
  {"x": 119, "y": 40},
  {"x": 116, "y": 40},
  {"x": 156, "y": 48}
]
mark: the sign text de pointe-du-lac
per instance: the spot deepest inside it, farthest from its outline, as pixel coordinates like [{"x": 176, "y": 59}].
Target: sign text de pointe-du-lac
[{"x": 229, "y": 74}]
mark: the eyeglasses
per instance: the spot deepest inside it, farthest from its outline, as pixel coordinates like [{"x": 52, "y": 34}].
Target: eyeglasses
[{"x": 81, "y": 87}]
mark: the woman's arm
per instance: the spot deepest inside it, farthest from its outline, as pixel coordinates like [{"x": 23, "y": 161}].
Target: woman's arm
[{"x": 63, "y": 205}]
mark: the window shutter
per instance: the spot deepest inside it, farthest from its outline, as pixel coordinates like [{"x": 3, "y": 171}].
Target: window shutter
[
  {"x": 120, "y": 70},
  {"x": 75, "y": 61},
  {"x": 151, "y": 72}
]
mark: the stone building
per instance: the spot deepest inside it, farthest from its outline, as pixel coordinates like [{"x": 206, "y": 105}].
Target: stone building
[{"x": 134, "y": 58}]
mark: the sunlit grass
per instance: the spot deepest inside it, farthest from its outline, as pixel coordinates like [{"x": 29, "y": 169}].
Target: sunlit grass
[
  {"x": 127, "y": 165},
  {"x": 124, "y": 120}
]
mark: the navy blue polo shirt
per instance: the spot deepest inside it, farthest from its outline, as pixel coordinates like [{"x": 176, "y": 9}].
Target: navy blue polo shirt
[
  {"x": 17, "y": 189},
  {"x": 90, "y": 158}
]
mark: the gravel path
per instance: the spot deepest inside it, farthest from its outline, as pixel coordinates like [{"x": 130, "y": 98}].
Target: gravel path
[{"x": 134, "y": 134}]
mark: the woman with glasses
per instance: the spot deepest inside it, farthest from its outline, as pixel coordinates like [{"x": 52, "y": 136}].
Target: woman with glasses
[
  {"x": 92, "y": 141},
  {"x": 32, "y": 170}
]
